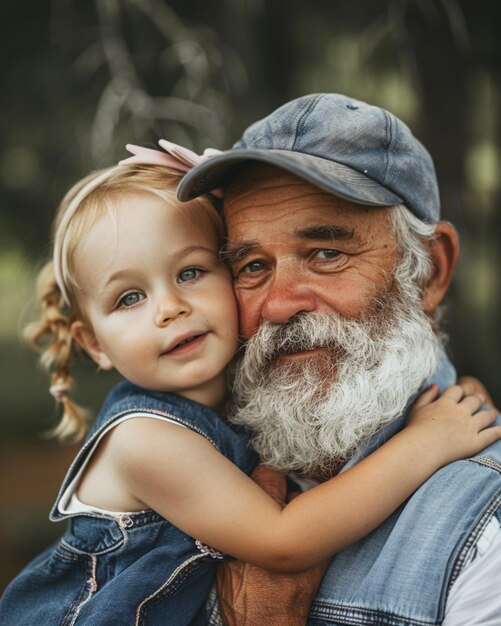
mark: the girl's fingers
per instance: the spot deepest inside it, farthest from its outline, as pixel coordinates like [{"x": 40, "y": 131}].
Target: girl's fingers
[
  {"x": 427, "y": 396},
  {"x": 471, "y": 403},
  {"x": 470, "y": 389},
  {"x": 454, "y": 393},
  {"x": 490, "y": 435},
  {"x": 467, "y": 387},
  {"x": 473, "y": 385},
  {"x": 484, "y": 419}
]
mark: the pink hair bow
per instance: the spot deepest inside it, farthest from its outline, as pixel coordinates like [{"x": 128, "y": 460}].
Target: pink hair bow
[{"x": 175, "y": 156}]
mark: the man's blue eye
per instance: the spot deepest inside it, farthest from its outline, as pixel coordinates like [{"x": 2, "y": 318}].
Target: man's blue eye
[
  {"x": 327, "y": 253},
  {"x": 187, "y": 275},
  {"x": 130, "y": 299},
  {"x": 253, "y": 266}
]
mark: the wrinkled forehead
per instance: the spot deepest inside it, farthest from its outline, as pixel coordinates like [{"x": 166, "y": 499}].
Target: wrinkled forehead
[{"x": 260, "y": 190}]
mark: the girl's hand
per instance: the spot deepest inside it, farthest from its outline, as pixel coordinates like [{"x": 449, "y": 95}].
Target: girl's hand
[
  {"x": 470, "y": 384},
  {"x": 453, "y": 424}
]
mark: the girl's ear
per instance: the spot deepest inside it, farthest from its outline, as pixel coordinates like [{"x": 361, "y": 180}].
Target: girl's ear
[
  {"x": 85, "y": 337},
  {"x": 444, "y": 251}
]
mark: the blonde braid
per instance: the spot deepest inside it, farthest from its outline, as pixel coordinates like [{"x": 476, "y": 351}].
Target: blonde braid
[{"x": 51, "y": 337}]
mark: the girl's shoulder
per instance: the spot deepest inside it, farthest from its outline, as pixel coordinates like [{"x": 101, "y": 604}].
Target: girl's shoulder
[
  {"x": 126, "y": 397},
  {"x": 127, "y": 400}
]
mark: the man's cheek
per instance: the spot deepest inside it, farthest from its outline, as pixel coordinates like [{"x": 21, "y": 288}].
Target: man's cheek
[{"x": 248, "y": 314}]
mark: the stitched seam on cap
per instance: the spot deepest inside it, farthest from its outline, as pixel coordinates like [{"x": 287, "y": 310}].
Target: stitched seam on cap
[
  {"x": 390, "y": 138},
  {"x": 302, "y": 116}
]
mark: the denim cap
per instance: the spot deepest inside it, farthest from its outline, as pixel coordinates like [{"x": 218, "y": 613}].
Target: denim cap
[{"x": 344, "y": 146}]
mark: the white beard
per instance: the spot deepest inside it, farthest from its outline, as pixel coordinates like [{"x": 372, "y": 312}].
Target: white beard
[{"x": 309, "y": 415}]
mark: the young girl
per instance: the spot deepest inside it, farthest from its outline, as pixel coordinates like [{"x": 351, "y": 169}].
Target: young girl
[{"x": 159, "y": 491}]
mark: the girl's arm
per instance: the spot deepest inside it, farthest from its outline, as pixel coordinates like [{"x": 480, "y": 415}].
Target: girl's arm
[{"x": 179, "y": 474}]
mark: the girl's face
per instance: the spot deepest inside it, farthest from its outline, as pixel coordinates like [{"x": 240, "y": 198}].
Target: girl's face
[{"x": 158, "y": 303}]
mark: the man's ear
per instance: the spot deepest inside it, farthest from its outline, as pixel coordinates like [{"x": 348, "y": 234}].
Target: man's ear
[
  {"x": 85, "y": 337},
  {"x": 444, "y": 251}
]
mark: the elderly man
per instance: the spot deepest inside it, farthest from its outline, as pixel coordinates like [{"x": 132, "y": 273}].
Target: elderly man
[{"x": 340, "y": 265}]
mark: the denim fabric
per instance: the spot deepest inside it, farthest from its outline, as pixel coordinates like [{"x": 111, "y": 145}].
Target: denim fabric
[
  {"x": 134, "y": 569},
  {"x": 347, "y": 147},
  {"x": 401, "y": 573}
]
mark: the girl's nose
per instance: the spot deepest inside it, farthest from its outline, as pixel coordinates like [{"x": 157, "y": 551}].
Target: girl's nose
[{"x": 169, "y": 308}]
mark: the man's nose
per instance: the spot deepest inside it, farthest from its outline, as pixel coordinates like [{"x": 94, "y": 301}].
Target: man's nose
[
  {"x": 287, "y": 295},
  {"x": 169, "y": 307}
]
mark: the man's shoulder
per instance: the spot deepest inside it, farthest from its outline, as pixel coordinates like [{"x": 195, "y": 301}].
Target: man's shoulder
[{"x": 406, "y": 566}]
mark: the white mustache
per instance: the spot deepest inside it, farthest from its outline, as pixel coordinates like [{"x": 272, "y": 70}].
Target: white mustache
[
  {"x": 310, "y": 331},
  {"x": 308, "y": 415}
]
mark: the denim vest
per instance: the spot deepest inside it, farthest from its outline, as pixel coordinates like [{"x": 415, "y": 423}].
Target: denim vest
[
  {"x": 136, "y": 569},
  {"x": 401, "y": 573}
]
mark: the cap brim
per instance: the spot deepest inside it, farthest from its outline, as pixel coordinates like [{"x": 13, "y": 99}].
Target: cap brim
[{"x": 333, "y": 177}]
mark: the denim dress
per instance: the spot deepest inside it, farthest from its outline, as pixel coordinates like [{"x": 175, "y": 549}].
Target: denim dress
[{"x": 132, "y": 569}]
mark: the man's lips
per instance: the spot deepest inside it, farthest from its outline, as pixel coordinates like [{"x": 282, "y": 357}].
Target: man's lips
[
  {"x": 302, "y": 354},
  {"x": 185, "y": 344}
]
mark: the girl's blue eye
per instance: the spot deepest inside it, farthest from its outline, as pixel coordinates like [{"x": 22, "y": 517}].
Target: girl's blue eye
[
  {"x": 188, "y": 274},
  {"x": 131, "y": 298}
]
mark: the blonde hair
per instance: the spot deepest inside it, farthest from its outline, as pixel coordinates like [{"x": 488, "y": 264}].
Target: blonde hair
[{"x": 82, "y": 206}]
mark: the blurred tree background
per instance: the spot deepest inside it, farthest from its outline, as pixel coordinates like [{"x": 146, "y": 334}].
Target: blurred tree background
[{"x": 81, "y": 79}]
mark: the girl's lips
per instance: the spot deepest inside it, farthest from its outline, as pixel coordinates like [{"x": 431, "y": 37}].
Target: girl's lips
[{"x": 192, "y": 343}]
